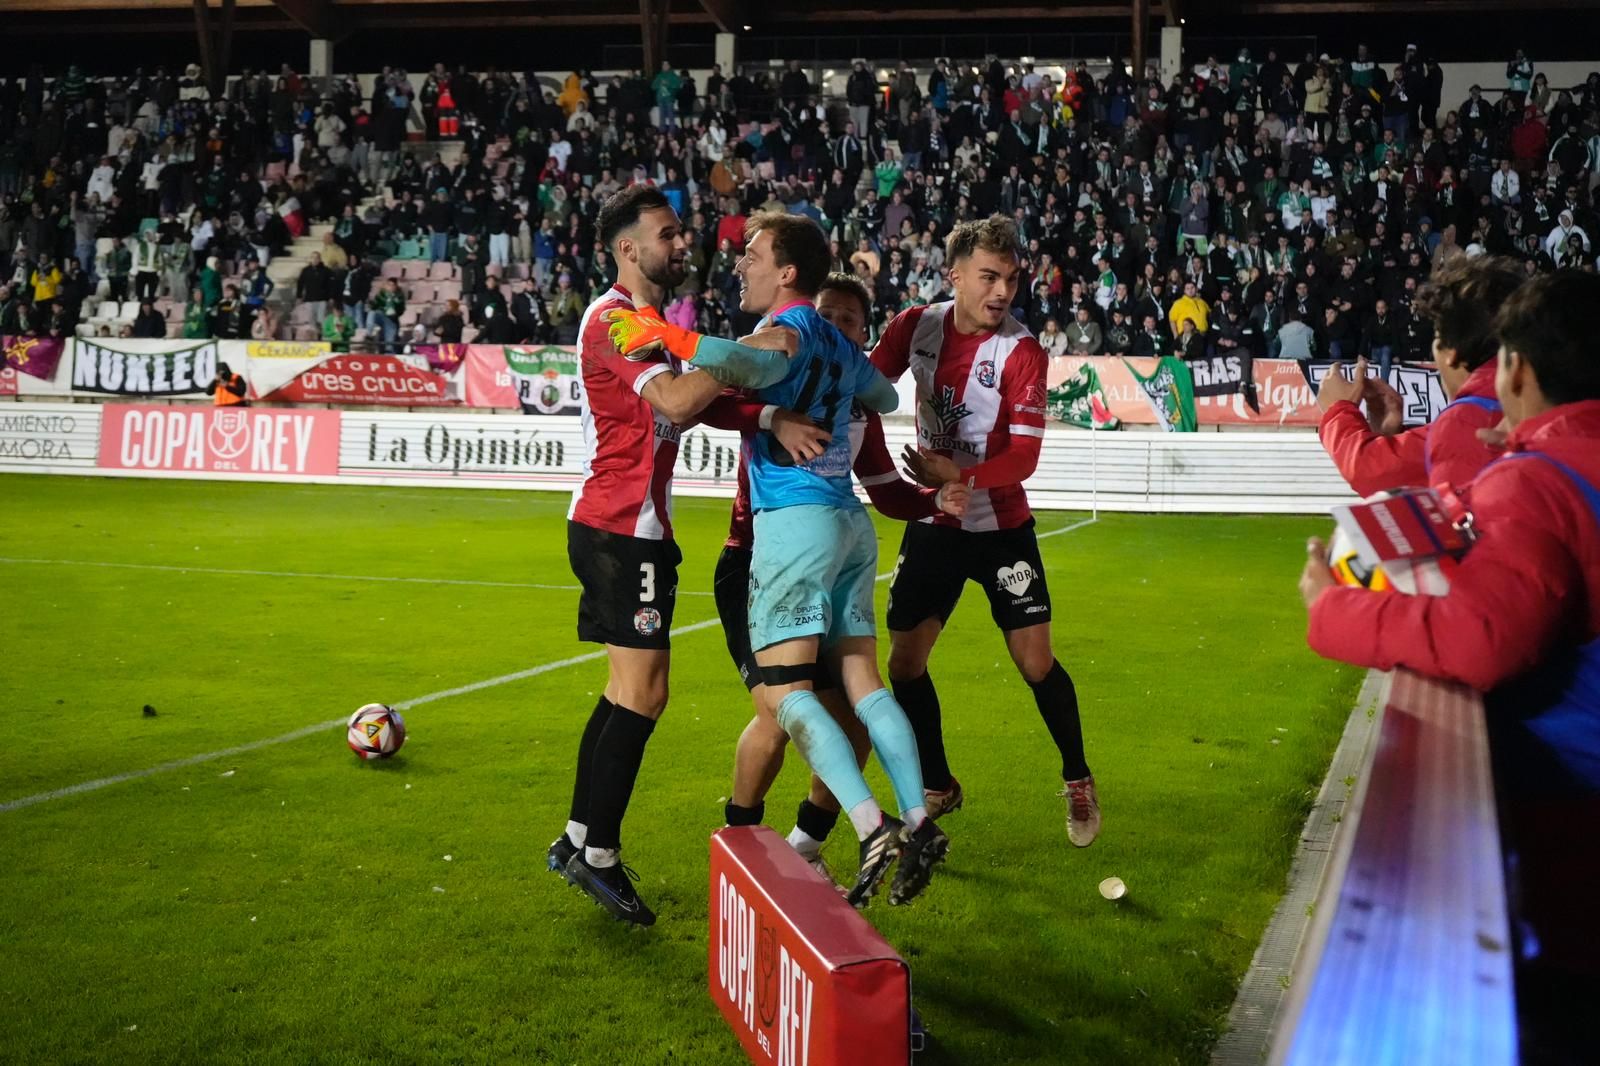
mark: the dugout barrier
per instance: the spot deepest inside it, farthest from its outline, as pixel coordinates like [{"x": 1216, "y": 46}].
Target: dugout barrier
[
  {"x": 1408, "y": 957},
  {"x": 1286, "y": 472}
]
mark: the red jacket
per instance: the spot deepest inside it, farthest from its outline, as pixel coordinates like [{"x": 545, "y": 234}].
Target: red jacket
[
  {"x": 1445, "y": 453},
  {"x": 731, "y": 228},
  {"x": 1530, "y": 584}
]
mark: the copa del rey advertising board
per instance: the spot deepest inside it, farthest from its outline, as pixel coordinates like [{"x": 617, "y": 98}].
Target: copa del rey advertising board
[
  {"x": 220, "y": 440},
  {"x": 799, "y": 976}
]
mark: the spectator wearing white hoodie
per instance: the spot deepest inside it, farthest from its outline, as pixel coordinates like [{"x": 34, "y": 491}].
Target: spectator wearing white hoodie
[{"x": 1563, "y": 232}]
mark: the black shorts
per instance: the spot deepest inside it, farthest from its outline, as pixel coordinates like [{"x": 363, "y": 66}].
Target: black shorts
[
  {"x": 630, "y": 587},
  {"x": 731, "y": 587},
  {"x": 935, "y": 562}
]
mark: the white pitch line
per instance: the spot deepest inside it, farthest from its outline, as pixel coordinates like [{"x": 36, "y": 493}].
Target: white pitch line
[
  {"x": 306, "y": 731},
  {"x": 1068, "y": 529},
  {"x": 320, "y": 727},
  {"x": 300, "y": 574}
]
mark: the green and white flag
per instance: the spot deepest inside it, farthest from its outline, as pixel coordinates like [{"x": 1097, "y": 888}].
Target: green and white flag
[
  {"x": 547, "y": 380},
  {"x": 1170, "y": 393},
  {"x": 1080, "y": 401}
]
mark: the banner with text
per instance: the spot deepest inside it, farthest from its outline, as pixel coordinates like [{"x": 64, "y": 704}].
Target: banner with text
[
  {"x": 536, "y": 381},
  {"x": 1284, "y": 396},
  {"x": 367, "y": 379},
  {"x": 220, "y": 440},
  {"x": 1250, "y": 473},
  {"x": 38, "y": 435},
  {"x": 270, "y": 365},
  {"x": 126, "y": 367},
  {"x": 1220, "y": 375},
  {"x": 1418, "y": 387}
]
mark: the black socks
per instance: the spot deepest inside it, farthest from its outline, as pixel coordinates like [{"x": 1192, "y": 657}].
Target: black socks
[
  {"x": 813, "y": 821},
  {"x": 1058, "y": 706},
  {"x": 591, "y": 736},
  {"x": 617, "y": 755},
  {"x": 920, "y": 701},
  {"x": 733, "y": 814}
]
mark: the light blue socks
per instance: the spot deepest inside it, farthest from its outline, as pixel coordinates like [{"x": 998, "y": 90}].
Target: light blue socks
[
  {"x": 825, "y": 747},
  {"x": 895, "y": 744}
]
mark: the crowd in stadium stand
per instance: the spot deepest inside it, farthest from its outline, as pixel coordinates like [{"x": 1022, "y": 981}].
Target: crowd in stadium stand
[{"x": 1275, "y": 205}]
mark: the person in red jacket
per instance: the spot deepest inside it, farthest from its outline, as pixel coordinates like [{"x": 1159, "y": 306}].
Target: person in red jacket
[
  {"x": 1374, "y": 452},
  {"x": 1521, "y": 622}
]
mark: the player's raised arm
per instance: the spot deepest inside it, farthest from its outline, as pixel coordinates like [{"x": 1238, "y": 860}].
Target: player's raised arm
[{"x": 638, "y": 334}]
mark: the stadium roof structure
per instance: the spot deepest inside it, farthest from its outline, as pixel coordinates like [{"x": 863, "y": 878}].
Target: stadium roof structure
[
  {"x": 337, "y": 19},
  {"x": 217, "y": 21}
]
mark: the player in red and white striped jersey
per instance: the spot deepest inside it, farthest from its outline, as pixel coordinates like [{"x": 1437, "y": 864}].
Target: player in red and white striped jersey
[
  {"x": 619, "y": 539},
  {"x": 980, "y": 418}
]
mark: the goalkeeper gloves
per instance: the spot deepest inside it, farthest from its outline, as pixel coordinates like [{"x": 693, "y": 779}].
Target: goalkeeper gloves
[{"x": 639, "y": 333}]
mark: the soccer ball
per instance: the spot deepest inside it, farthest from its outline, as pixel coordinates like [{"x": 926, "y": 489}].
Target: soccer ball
[
  {"x": 1413, "y": 577},
  {"x": 376, "y": 731}
]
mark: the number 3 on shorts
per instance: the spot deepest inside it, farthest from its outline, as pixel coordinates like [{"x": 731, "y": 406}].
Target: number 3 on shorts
[{"x": 647, "y": 582}]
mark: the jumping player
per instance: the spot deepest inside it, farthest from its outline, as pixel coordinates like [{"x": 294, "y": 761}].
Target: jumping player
[
  {"x": 845, "y": 303},
  {"x": 815, "y": 553},
  {"x": 980, "y": 417},
  {"x": 619, "y": 540}
]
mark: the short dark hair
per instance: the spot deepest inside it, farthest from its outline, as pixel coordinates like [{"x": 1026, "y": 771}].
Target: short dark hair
[
  {"x": 997, "y": 234},
  {"x": 798, "y": 242},
  {"x": 623, "y": 208},
  {"x": 849, "y": 285},
  {"x": 1461, "y": 298},
  {"x": 1548, "y": 321}
]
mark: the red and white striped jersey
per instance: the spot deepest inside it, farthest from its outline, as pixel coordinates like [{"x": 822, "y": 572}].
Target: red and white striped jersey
[
  {"x": 980, "y": 401},
  {"x": 629, "y": 448}
]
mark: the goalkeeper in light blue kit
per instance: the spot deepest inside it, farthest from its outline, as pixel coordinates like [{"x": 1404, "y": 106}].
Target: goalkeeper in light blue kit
[{"x": 815, "y": 557}]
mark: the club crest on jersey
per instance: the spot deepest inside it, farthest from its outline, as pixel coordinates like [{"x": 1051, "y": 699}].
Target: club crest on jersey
[
  {"x": 985, "y": 373},
  {"x": 647, "y": 620}
]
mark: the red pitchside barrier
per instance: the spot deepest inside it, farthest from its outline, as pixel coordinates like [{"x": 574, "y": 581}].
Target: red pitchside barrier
[{"x": 801, "y": 978}]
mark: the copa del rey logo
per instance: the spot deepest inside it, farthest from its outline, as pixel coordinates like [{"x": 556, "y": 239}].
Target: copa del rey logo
[
  {"x": 236, "y": 440},
  {"x": 766, "y": 986}
]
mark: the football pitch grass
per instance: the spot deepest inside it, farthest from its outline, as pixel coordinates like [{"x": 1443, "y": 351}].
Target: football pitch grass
[{"x": 288, "y": 903}]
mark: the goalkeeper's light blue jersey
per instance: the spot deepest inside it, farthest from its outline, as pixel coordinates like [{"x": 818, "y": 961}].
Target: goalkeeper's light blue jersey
[{"x": 824, "y": 376}]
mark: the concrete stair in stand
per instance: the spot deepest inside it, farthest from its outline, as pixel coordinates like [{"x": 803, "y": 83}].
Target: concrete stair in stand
[{"x": 285, "y": 270}]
